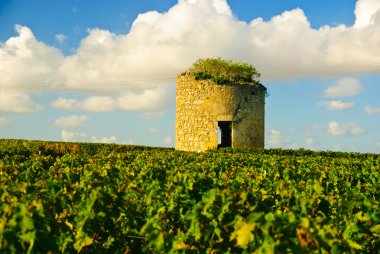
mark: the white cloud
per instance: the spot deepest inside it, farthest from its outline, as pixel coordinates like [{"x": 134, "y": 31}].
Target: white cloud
[
  {"x": 153, "y": 130},
  {"x": 161, "y": 45},
  {"x": 366, "y": 13},
  {"x": 97, "y": 104},
  {"x": 4, "y": 122},
  {"x": 344, "y": 129},
  {"x": 16, "y": 102},
  {"x": 378, "y": 144},
  {"x": 372, "y": 110},
  {"x": 71, "y": 121},
  {"x": 64, "y": 103},
  {"x": 145, "y": 100},
  {"x": 168, "y": 141},
  {"x": 92, "y": 104},
  {"x": 336, "y": 105},
  {"x": 346, "y": 87},
  {"x": 61, "y": 38},
  {"x": 111, "y": 139},
  {"x": 222, "y": 7},
  {"x": 26, "y": 63},
  {"x": 68, "y": 136}
]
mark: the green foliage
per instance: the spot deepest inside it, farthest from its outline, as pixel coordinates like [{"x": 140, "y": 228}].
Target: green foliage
[
  {"x": 222, "y": 71},
  {"x": 95, "y": 198}
]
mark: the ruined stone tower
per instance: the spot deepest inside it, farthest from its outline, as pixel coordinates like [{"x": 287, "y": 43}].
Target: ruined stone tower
[{"x": 210, "y": 115}]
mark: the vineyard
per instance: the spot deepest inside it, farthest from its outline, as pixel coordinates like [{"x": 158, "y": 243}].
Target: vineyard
[{"x": 95, "y": 198}]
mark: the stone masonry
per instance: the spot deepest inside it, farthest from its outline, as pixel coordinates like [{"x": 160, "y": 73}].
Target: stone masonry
[{"x": 202, "y": 104}]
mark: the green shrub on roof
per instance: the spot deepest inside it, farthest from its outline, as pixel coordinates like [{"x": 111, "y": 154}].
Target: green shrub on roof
[{"x": 222, "y": 71}]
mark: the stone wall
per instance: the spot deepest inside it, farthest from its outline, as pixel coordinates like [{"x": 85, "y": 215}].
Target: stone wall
[{"x": 200, "y": 104}]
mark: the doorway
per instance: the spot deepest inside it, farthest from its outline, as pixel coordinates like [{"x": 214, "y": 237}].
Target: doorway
[{"x": 224, "y": 134}]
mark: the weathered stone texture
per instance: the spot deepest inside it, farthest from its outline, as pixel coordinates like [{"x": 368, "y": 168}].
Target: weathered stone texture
[{"x": 200, "y": 104}]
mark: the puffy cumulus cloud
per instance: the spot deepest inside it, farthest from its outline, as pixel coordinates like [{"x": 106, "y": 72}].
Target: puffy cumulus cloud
[
  {"x": 4, "y": 122},
  {"x": 92, "y": 104},
  {"x": 366, "y": 12},
  {"x": 160, "y": 45},
  {"x": 108, "y": 140},
  {"x": 17, "y": 102},
  {"x": 345, "y": 87},
  {"x": 301, "y": 50},
  {"x": 144, "y": 100},
  {"x": 68, "y": 136},
  {"x": 344, "y": 129},
  {"x": 336, "y": 105},
  {"x": 26, "y": 63},
  {"x": 71, "y": 121},
  {"x": 65, "y": 103},
  {"x": 147, "y": 100},
  {"x": 97, "y": 104},
  {"x": 372, "y": 110}
]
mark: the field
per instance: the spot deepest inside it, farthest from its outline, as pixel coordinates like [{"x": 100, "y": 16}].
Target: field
[{"x": 95, "y": 198}]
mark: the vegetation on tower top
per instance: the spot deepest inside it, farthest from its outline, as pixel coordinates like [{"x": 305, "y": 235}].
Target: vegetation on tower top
[{"x": 223, "y": 71}]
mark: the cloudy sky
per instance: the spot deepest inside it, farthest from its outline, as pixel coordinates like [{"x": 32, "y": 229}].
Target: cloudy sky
[{"x": 104, "y": 71}]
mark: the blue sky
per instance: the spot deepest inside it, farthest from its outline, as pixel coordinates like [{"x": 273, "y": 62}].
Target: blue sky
[{"x": 104, "y": 71}]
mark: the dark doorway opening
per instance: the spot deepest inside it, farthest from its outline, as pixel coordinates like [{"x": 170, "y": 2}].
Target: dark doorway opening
[{"x": 225, "y": 129}]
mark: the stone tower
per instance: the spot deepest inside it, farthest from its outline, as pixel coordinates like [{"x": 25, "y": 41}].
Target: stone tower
[{"x": 210, "y": 115}]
